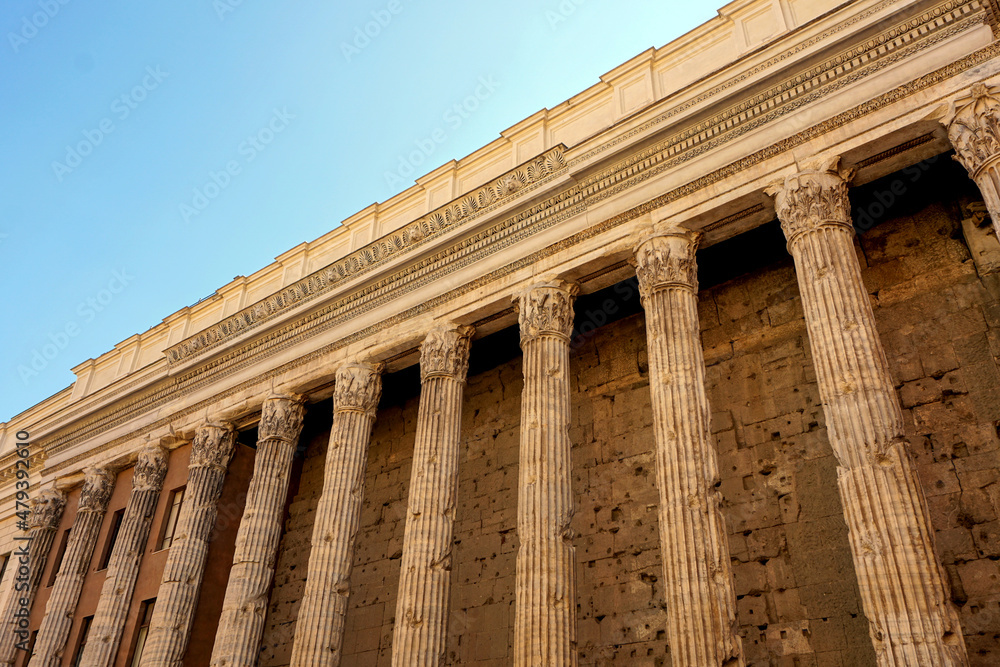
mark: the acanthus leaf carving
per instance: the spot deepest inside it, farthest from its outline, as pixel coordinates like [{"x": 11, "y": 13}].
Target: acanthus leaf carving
[
  {"x": 813, "y": 198},
  {"x": 150, "y": 468},
  {"x": 445, "y": 352},
  {"x": 213, "y": 446},
  {"x": 281, "y": 417},
  {"x": 358, "y": 387},
  {"x": 667, "y": 259},
  {"x": 973, "y": 123},
  {"x": 98, "y": 483},
  {"x": 46, "y": 509},
  {"x": 546, "y": 309}
]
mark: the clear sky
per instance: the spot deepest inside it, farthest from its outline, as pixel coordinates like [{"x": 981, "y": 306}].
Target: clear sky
[{"x": 116, "y": 116}]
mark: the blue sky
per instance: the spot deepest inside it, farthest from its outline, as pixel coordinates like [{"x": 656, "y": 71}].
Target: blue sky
[{"x": 118, "y": 117}]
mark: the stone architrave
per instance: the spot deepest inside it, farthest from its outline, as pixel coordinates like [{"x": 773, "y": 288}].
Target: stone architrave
[
  {"x": 420, "y": 635},
  {"x": 701, "y": 604},
  {"x": 177, "y": 598},
  {"x": 237, "y": 641},
  {"x": 123, "y": 567},
  {"x": 46, "y": 513},
  {"x": 973, "y": 123},
  {"x": 319, "y": 628},
  {"x": 545, "y": 580},
  {"x": 58, "y": 621},
  {"x": 902, "y": 584}
]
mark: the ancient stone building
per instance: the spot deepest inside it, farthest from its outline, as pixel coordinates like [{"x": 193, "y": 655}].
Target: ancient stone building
[{"x": 697, "y": 368}]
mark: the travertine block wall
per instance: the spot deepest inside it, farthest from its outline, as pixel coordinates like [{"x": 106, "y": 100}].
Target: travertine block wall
[{"x": 797, "y": 596}]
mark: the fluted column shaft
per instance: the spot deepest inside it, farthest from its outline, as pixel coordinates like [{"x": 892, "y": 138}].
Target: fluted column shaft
[
  {"x": 973, "y": 123},
  {"x": 319, "y": 628},
  {"x": 46, "y": 513},
  {"x": 903, "y": 590},
  {"x": 58, "y": 621},
  {"x": 701, "y": 604},
  {"x": 425, "y": 571},
  {"x": 545, "y": 579},
  {"x": 177, "y": 598},
  {"x": 237, "y": 641},
  {"x": 123, "y": 567}
]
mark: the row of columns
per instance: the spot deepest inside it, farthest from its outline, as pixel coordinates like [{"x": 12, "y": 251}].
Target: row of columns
[{"x": 902, "y": 585}]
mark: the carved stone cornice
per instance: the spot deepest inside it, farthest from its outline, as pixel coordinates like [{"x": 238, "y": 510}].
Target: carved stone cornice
[
  {"x": 98, "y": 483},
  {"x": 358, "y": 387},
  {"x": 213, "y": 446},
  {"x": 150, "y": 468},
  {"x": 667, "y": 259},
  {"x": 973, "y": 123},
  {"x": 445, "y": 352},
  {"x": 522, "y": 225},
  {"x": 813, "y": 199},
  {"x": 46, "y": 509},
  {"x": 281, "y": 418},
  {"x": 546, "y": 309}
]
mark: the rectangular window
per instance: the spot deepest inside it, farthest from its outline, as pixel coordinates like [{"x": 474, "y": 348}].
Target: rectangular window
[
  {"x": 145, "y": 616},
  {"x": 57, "y": 561},
  {"x": 109, "y": 544},
  {"x": 173, "y": 511},
  {"x": 81, "y": 642}
]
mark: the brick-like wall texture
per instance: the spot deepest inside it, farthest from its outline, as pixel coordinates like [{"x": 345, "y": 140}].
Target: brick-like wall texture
[{"x": 798, "y": 601}]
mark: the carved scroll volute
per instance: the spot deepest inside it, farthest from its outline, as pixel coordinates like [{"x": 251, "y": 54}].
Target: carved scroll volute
[
  {"x": 546, "y": 309},
  {"x": 358, "y": 387},
  {"x": 150, "y": 468},
  {"x": 281, "y": 417},
  {"x": 445, "y": 352},
  {"x": 46, "y": 509},
  {"x": 814, "y": 198},
  {"x": 213, "y": 446},
  {"x": 98, "y": 484},
  {"x": 973, "y": 124},
  {"x": 667, "y": 259}
]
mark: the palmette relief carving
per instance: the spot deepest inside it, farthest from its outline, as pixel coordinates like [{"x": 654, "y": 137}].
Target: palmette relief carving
[
  {"x": 150, "y": 468},
  {"x": 445, "y": 352},
  {"x": 546, "y": 309},
  {"x": 358, "y": 387},
  {"x": 281, "y": 417},
  {"x": 813, "y": 198},
  {"x": 47, "y": 509},
  {"x": 213, "y": 446},
  {"x": 667, "y": 259}
]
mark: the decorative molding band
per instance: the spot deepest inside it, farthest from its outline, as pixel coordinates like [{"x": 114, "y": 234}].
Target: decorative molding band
[{"x": 487, "y": 242}]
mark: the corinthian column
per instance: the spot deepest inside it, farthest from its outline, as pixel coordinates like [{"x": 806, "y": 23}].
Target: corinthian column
[
  {"x": 701, "y": 605},
  {"x": 46, "y": 513},
  {"x": 545, "y": 604},
  {"x": 237, "y": 641},
  {"x": 902, "y": 585},
  {"x": 58, "y": 621},
  {"x": 319, "y": 628},
  {"x": 425, "y": 570},
  {"x": 973, "y": 124},
  {"x": 123, "y": 567},
  {"x": 177, "y": 597}
]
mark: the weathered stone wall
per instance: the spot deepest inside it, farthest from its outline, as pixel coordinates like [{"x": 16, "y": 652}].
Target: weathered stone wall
[{"x": 797, "y": 597}]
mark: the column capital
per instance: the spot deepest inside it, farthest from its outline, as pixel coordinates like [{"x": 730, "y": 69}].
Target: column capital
[
  {"x": 973, "y": 123},
  {"x": 813, "y": 199},
  {"x": 358, "y": 387},
  {"x": 546, "y": 309},
  {"x": 213, "y": 446},
  {"x": 445, "y": 352},
  {"x": 98, "y": 484},
  {"x": 47, "y": 508},
  {"x": 667, "y": 259},
  {"x": 150, "y": 468},
  {"x": 281, "y": 417}
]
